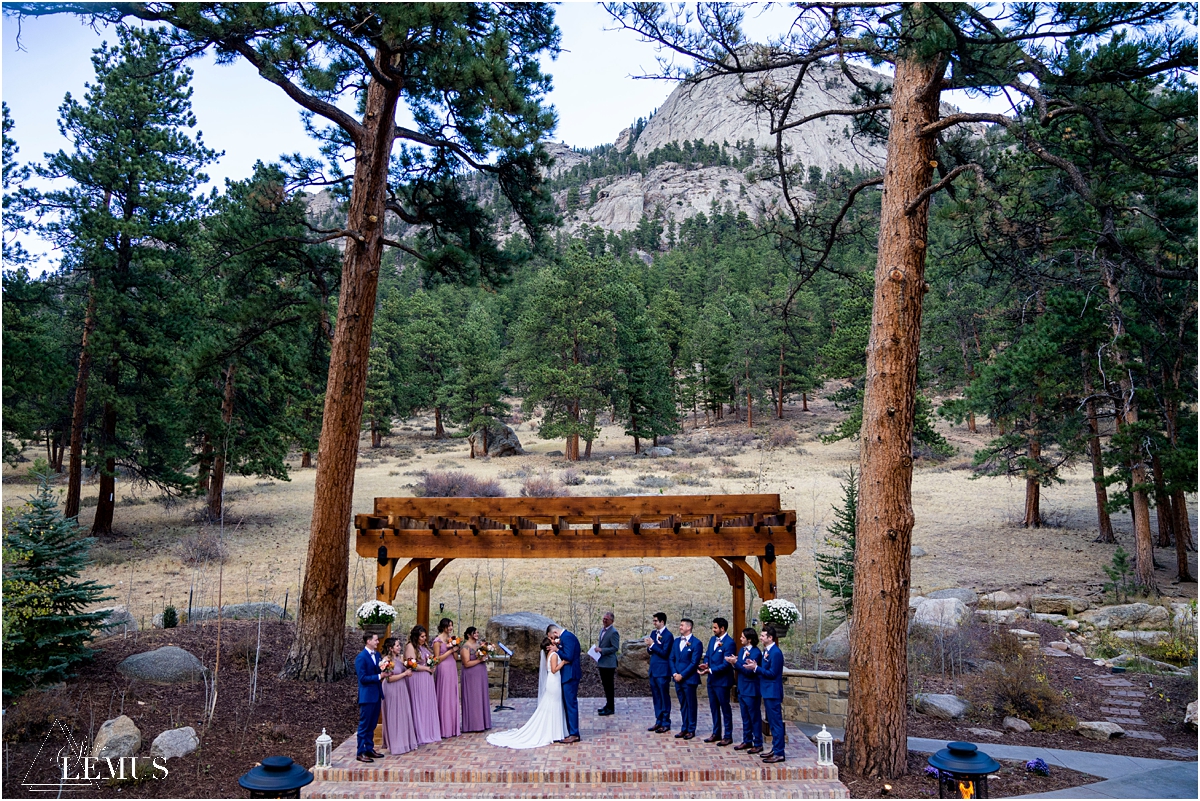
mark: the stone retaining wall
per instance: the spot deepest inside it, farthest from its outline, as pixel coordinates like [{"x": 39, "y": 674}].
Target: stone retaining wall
[{"x": 816, "y": 696}]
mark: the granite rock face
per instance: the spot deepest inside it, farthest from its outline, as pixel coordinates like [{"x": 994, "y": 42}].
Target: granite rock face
[
  {"x": 836, "y": 645},
  {"x": 1127, "y": 616},
  {"x": 1057, "y": 604},
  {"x": 967, "y": 596},
  {"x": 523, "y": 633}
]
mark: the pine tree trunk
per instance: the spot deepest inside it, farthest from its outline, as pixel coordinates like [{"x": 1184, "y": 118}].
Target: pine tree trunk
[
  {"x": 876, "y": 724},
  {"x": 306, "y": 459},
  {"x": 779, "y": 398},
  {"x": 204, "y": 465},
  {"x": 1104, "y": 522},
  {"x": 1162, "y": 505},
  {"x": 587, "y": 451},
  {"x": 216, "y": 487},
  {"x": 637, "y": 445},
  {"x": 804, "y": 401},
  {"x": 1183, "y": 536},
  {"x": 1033, "y": 487},
  {"x": 316, "y": 653},
  {"x": 102, "y": 523},
  {"x": 79, "y": 413},
  {"x": 376, "y": 435},
  {"x": 439, "y": 432},
  {"x": 1127, "y": 412},
  {"x": 749, "y": 411}
]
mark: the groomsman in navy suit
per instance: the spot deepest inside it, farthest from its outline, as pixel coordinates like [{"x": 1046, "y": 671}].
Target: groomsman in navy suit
[
  {"x": 748, "y": 700},
  {"x": 770, "y": 686},
  {"x": 659, "y": 645},
  {"x": 366, "y": 665},
  {"x": 686, "y": 654},
  {"x": 720, "y": 682}
]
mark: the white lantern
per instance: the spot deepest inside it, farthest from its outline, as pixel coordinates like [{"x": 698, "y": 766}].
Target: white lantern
[
  {"x": 324, "y": 750},
  {"x": 824, "y": 746}
]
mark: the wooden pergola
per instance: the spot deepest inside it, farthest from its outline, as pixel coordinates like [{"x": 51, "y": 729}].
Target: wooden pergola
[{"x": 423, "y": 535}]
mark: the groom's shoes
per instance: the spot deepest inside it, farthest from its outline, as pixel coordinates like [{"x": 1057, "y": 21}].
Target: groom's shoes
[
  {"x": 661, "y": 730},
  {"x": 364, "y": 758},
  {"x": 570, "y": 738},
  {"x": 688, "y": 736},
  {"x": 604, "y": 711},
  {"x": 655, "y": 728},
  {"x": 681, "y": 735}
]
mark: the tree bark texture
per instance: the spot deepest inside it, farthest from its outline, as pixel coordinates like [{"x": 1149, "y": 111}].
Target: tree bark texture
[
  {"x": 306, "y": 459},
  {"x": 1103, "y": 521},
  {"x": 79, "y": 413},
  {"x": 1127, "y": 412},
  {"x": 105, "y": 505},
  {"x": 216, "y": 486},
  {"x": 439, "y": 431},
  {"x": 316, "y": 653},
  {"x": 1162, "y": 505},
  {"x": 1183, "y": 535},
  {"x": 876, "y": 728},
  {"x": 1033, "y": 488}
]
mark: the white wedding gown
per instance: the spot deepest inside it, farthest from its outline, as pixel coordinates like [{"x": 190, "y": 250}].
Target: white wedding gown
[{"x": 548, "y": 722}]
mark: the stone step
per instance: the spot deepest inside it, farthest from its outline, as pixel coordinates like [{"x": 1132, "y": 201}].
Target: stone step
[
  {"x": 804, "y": 788},
  {"x": 800, "y": 770}
]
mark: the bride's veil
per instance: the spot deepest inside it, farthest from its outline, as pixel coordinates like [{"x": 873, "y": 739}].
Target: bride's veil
[{"x": 543, "y": 671}]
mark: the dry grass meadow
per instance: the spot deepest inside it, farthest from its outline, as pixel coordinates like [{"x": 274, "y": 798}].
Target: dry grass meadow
[{"x": 968, "y": 529}]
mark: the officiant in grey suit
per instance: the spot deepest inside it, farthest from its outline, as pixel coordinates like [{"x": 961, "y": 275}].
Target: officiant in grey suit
[{"x": 609, "y": 644}]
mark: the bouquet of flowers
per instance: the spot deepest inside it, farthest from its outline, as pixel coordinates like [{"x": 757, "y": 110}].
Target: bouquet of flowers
[
  {"x": 431, "y": 661},
  {"x": 779, "y": 611},
  {"x": 455, "y": 642},
  {"x": 375, "y": 613},
  {"x": 486, "y": 650},
  {"x": 386, "y": 665},
  {"x": 410, "y": 663}
]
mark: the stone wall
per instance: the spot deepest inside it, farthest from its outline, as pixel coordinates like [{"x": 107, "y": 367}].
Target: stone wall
[{"x": 816, "y": 696}]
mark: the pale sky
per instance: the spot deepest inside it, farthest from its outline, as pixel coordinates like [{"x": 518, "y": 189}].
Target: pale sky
[{"x": 595, "y": 92}]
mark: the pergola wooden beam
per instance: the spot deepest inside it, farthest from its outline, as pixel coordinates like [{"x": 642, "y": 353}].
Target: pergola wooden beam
[{"x": 726, "y": 528}]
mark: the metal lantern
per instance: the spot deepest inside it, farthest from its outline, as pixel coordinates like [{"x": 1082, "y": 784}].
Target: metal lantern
[
  {"x": 324, "y": 750},
  {"x": 962, "y": 771},
  {"x": 275, "y": 777},
  {"x": 824, "y": 746}
]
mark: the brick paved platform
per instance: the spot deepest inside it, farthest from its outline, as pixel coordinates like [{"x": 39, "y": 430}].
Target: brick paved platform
[{"x": 617, "y": 758}]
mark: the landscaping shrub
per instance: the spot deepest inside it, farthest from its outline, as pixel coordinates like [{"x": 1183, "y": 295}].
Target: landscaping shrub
[
  {"x": 1021, "y": 688},
  {"x": 573, "y": 478},
  {"x": 541, "y": 487},
  {"x": 654, "y": 482},
  {"x": 782, "y": 437},
  {"x": 32, "y": 715},
  {"x": 46, "y": 629},
  {"x": 456, "y": 484},
  {"x": 170, "y": 618},
  {"x": 201, "y": 546}
]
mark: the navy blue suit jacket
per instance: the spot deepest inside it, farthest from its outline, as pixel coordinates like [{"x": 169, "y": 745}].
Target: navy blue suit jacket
[
  {"x": 366, "y": 666},
  {"x": 747, "y": 680},
  {"x": 686, "y": 660},
  {"x": 770, "y": 674},
  {"x": 569, "y": 651},
  {"x": 660, "y": 653},
  {"x": 720, "y": 672}
]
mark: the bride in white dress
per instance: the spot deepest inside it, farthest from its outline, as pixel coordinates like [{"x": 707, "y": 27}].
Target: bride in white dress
[{"x": 549, "y": 721}]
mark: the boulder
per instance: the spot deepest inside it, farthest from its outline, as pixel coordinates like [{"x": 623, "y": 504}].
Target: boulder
[
  {"x": 117, "y": 738},
  {"x": 915, "y": 600},
  {"x": 1099, "y": 730},
  {"x": 175, "y": 743},
  {"x": 267, "y": 610},
  {"x": 946, "y": 614},
  {"x": 523, "y": 633},
  {"x": 1057, "y": 604},
  {"x": 1061, "y": 646},
  {"x": 968, "y": 597},
  {"x": 658, "y": 452},
  {"x": 635, "y": 660},
  {"x": 1126, "y": 616},
  {"x": 1144, "y": 637},
  {"x": 917, "y": 552},
  {"x": 1002, "y": 616},
  {"x": 1017, "y": 725},
  {"x": 1183, "y": 617},
  {"x": 999, "y": 600},
  {"x": 554, "y": 453},
  {"x": 992, "y": 733},
  {"x": 1077, "y": 649},
  {"x": 940, "y": 705},
  {"x": 836, "y": 645},
  {"x": 167, "y": 665},
  {"x": 1029, "y": 639},
  {"x": 501, "y": 441},
  {"x": 1126, "y": 659},
  {"x": 117, "y": 620},
  {"x": 1189, "y": 719}
]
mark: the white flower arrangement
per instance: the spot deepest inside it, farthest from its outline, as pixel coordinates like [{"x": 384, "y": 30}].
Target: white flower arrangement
[
  {"x": 374, "y": 613},
  {"x": 781, "y": 611}
]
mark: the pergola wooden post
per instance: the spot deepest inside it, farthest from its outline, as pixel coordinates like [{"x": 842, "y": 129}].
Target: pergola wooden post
[{"x": 729, "y": 529}]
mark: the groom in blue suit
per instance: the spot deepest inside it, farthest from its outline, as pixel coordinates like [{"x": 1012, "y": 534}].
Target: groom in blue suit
[
  {"x": 366, "y": 665},
  {"x": 770, "y": 687},
  {"x": 568, "y": 651},
  {"x": 686, "y": 654}
]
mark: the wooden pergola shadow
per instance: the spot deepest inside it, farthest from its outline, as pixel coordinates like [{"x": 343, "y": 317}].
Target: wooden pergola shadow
[{"x": 423, "y": 535}]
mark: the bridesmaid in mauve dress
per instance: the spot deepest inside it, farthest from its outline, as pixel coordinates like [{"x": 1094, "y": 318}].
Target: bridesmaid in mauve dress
[
  {"x": 399, "y": 734},
  {"x": 446, "y": 679},
  {"x": 421, "y": 690},
  {"x": 476, "y": 705}
]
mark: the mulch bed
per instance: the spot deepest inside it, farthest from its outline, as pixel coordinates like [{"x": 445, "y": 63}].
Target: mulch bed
[
  {"x": 1011, "y": 780},
  {"x": 285, "y": 720},
  {"x": 1162, "y": 709}
]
